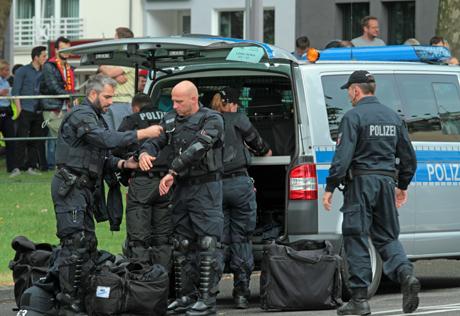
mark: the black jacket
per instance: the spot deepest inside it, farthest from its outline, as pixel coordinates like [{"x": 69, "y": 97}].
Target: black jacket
[
  {"x": 371, "y": 137},
  {"x": 52, "y": 83}
]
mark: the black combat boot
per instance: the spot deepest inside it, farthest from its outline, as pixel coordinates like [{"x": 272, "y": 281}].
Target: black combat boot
[
  {"x": 182, "y": 303},
  {"x": 205, "y": 305},
  {"x": 241, "y": 298},
  {"x": 241, "y": 291},
  {"x": 358, "y": 304},
  {"x": 410, "y": 287}
]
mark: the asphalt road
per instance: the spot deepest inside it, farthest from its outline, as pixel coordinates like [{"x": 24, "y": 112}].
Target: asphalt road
[{"x": 440, "y": 295}]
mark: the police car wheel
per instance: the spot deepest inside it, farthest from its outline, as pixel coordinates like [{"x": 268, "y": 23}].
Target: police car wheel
[{"x": 377, "y": 266}]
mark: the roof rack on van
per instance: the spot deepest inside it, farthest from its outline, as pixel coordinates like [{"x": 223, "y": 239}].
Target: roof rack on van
[{"x": 429, "y": 54}]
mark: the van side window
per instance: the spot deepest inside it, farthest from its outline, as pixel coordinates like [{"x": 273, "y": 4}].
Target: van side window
[
  {"x": 337, "y": 102},
  {"x": 448, "y": 101},
  {"x": 431, "y": 106}
]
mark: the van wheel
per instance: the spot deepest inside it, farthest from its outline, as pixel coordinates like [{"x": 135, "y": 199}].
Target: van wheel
[{"x": 377, "y": 265}]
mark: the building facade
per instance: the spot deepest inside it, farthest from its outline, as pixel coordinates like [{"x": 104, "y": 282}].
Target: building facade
[{"x": 35, "y": 22}]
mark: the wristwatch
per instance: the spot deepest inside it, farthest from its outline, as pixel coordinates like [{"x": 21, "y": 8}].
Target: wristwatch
[{"x": 172, "y": 172}]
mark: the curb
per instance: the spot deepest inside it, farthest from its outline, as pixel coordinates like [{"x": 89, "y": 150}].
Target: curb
[{"x": 6, "y": 292}]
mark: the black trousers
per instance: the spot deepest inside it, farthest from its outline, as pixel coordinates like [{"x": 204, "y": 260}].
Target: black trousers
[
  {"x": 149, "y": 223},
  {"x": 369, "y": 210},
  {"x": 76, "y": 231},
  {"x": 31, "y": 154},
  {"x": 240, "y": 212},
  {"x": 197, "y": 213},
  {"x": 7, "y": 127}
]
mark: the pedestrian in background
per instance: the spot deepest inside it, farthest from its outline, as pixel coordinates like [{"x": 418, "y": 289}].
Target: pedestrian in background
[
  {"x": 239, "y": 197},
  {"x": 58, "y": 79},
  {"x": 125, "y": 77},
  {"x": 371, "y": 31},
  {"x": 6, "y": 116},
  {"x": 371, "y": 137},
  {"x": 30, "y": 154},
  {"x": 302, "y": 44}
]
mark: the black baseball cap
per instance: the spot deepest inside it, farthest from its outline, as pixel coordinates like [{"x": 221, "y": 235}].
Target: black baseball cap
[
  {"x": 359, "y": 76},
  {"x": 230, "y": 95}
]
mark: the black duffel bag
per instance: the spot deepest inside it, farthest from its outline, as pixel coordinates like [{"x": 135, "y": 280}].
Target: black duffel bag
[
  {"x": 302, "y": 275},
  {"x": 128, "y": 288}
]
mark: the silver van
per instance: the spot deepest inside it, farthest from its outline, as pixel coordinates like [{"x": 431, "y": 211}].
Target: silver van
[{"x": 297, "y": 107}]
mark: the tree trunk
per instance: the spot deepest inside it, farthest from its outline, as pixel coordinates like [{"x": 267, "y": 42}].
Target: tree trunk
[
  {"x": 449, "y": 24},
  {"x": 5, "y": 7}
]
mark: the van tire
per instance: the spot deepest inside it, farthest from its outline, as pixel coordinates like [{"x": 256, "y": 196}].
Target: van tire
[{"x": 377, "y": 267}]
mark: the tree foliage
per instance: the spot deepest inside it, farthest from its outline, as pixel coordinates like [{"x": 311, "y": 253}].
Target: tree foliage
[
  {"x": 5, "y": 7},
  {"x": 449, "y": 24}
]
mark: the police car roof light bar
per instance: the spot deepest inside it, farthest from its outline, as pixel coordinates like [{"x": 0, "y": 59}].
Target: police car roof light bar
[{"x": 388, "y": 53}]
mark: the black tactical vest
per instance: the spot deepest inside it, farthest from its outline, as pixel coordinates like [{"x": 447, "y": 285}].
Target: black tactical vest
[
  {"x": 182, "y": 132},
  {"x": 72, "y": 151},
  {"x": 236, "y": 154}
]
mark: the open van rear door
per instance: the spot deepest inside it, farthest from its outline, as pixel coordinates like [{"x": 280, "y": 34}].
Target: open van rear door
[{"x": 160, "y": 53}]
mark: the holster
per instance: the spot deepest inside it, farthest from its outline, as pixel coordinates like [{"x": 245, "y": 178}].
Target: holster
[{"x": 69, "y": 181}]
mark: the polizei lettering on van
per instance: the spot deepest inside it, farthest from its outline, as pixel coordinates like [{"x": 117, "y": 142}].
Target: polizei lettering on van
[
  {"x": 382, "y": 130},
  {"x": 440, "y": 172}
]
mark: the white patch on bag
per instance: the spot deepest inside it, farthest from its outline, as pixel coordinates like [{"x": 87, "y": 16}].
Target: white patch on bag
[{"x": 103, "y": 291}]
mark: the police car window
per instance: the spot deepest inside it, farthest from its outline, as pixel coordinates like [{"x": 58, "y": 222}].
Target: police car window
[
  {"x": 426, "y": 100},
  {"x": 337, "y": 102}
]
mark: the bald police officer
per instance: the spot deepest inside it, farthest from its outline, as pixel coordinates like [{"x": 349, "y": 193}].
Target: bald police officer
[
  {"x": 371, "y": 138},
  {"x": 196, "y": 136},
  {"x": 83, "y": 156}
]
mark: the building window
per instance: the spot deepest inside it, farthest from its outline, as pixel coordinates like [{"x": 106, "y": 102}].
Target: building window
[
  {"x": 70, "y": 9},
  {"x": 25, "y": 9},
  {"x": 401, "y": 21},
  {"x": 269, "y": 26},
  {"x": 186, "y": 24},
  {"x": 231, "y": 24},
  {"x": 352, "y": 14}
]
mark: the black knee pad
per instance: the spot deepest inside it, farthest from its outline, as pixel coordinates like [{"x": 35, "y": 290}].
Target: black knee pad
[{"x": 181, "y": 245}]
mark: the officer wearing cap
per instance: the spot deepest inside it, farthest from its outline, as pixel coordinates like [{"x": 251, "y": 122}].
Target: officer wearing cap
[
  {"x": 239, "y": 199},
  {"x": 196, "y": 136},
  {"x": 83, "y": 158},
  {"x": 371, "y": 138},
  {"x": 148, "y": 218}
]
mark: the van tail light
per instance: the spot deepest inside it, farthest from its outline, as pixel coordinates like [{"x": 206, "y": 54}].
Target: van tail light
[{"x": 303, "y": 183}]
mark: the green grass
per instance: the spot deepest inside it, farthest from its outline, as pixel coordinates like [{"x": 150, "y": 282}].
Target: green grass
[{"x": 26, "y": 209}]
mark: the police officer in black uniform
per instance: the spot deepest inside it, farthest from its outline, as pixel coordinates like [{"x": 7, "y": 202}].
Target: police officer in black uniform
[
  {"x": 148, "y": 218},
  {"x": 239, "y": 198},
  {"x": 83, "y": 156},
  {"x": 196, "y": 136},
  {"x": 371, "y": 137}
]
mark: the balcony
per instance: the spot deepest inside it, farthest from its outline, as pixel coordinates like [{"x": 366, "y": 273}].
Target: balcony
[{"x": 33, "y": 32}]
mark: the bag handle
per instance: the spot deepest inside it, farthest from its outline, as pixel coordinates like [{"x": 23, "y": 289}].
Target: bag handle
[{"x": 298, "y": 256}]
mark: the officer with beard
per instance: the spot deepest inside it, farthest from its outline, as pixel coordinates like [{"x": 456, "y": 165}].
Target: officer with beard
[{"x": 83, "y": 157}]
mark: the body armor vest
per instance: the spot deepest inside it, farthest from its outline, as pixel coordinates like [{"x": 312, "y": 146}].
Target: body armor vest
[
  {"x": 72, "y": 151},
  {"x": 182, "y": 132}
]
